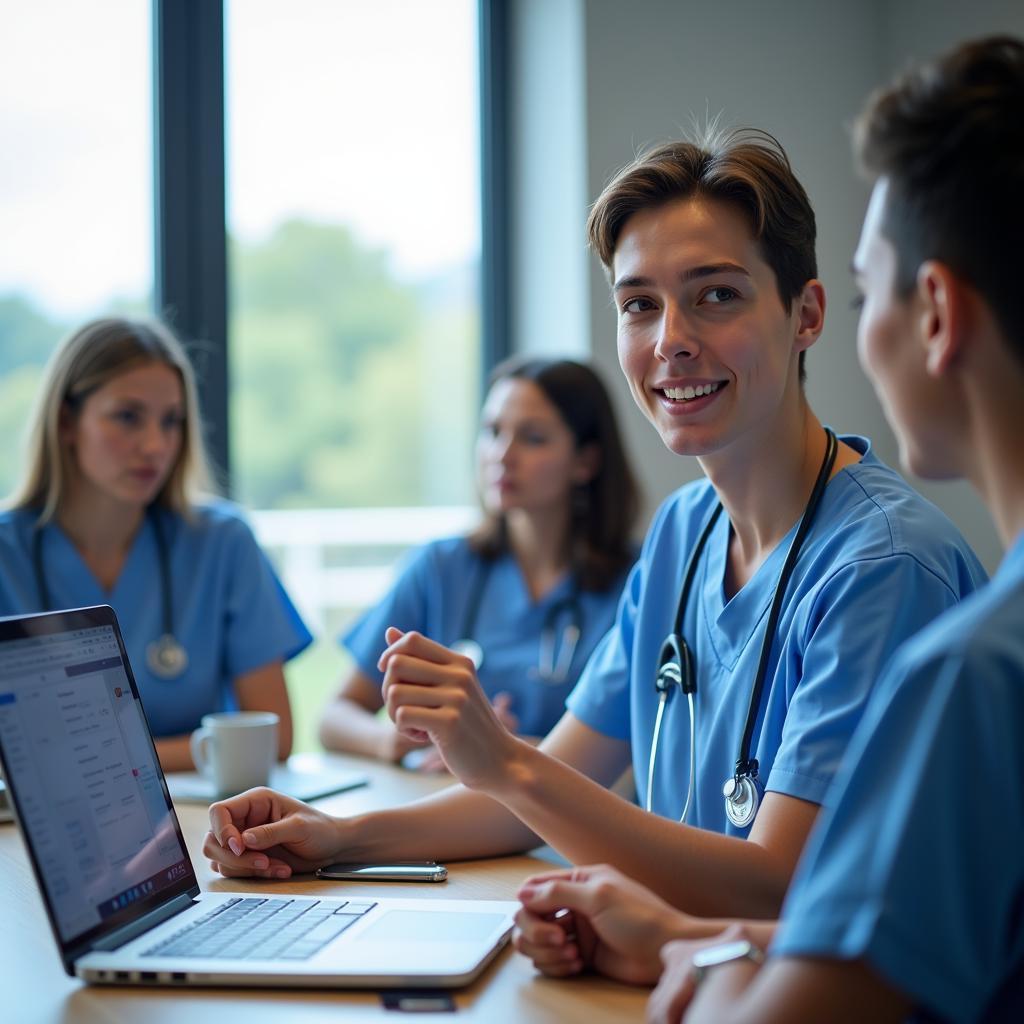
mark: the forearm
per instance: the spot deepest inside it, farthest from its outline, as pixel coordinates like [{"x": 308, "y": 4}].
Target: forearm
[
  {"x": 455, "y": 824},
  {"x": 175, "y": 753},
  {"x": 792, "y": 990},
  {"x": 759, "y": 932},
  {"x": 348, "y": 726},
  {"x": 720, "y": 997},
  {"x": 264, "y": 689},
  {"x": 701, "y": 872},
  {"x": 285, "y": 730}
]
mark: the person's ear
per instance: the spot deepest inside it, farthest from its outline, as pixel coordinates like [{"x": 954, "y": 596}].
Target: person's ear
[
  {"x": 942, "y": 315},
  {"x": 810, "y": 309},
  {"x": 588, "y": 462},
  {"x": 66, "y": 424}
]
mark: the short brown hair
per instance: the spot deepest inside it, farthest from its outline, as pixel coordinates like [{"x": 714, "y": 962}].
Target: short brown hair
[
  {"x": 948, "y": 137},
  {"x": 746, "y": 168},
  {"x": 83, "y": 362},
  {"x": 605, "y": 508}
]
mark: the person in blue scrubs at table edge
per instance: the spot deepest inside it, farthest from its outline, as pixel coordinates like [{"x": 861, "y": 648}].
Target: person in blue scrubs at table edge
[
  {"x": 110, "y": 510},
  {"x": 711, "y": 253},
  {"x": 530, "y": 592},
  {"x": 907, "y": 902}
]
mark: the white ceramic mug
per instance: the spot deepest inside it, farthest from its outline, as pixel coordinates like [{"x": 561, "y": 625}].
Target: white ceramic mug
[{"x": 236, "y": 750}]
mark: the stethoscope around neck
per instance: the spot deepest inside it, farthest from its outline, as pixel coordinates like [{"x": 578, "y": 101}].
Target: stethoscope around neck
[
  {"x": 554, "y": 659},
  {"x": 165, "y": 656},
  {"x": 676, "y": 668}
]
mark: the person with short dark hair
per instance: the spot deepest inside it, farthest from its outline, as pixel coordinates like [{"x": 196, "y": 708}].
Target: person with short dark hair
[
  {"x": 907, "y": 903},
  {"x": 532, "y": 590},
  {"x": 765, "y": 601}
]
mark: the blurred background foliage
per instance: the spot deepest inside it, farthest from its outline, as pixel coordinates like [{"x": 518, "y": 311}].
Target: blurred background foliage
[{"x": 349, "y": 387}]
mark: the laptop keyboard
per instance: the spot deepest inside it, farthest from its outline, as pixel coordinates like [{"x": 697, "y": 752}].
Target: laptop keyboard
[{"x": 263, "y": 929}]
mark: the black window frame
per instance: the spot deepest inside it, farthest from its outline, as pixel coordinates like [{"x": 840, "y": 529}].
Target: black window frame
[{"x": 190, "y": 230}]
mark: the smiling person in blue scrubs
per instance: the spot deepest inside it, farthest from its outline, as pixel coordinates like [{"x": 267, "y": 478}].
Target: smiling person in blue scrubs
[
  {"x": 710, "y": 249},
  {"x": 531, "y": 591},
  {"x": 907, "y": 902},
  {"x": 109, "y": 512}
]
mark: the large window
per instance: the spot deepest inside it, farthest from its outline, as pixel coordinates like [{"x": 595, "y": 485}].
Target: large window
[
  {"x": 354, "y": 323},
  {"x": 353, "y": 204},
  {"x": 76, "y": 192},
  {"x": 353, "y": 213}
]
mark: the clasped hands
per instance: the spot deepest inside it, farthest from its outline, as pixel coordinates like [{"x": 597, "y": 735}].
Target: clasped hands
[
  {"x": 432, "y": 694},
  {"x": 571, "y": 921},
  {"x": 595, "y": 919}
]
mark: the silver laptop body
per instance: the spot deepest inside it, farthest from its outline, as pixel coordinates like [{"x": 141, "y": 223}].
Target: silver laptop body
[{"x": 113, "y": 869}]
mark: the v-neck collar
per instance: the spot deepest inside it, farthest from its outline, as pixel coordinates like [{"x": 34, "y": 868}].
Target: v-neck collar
[
  {"x": 68, "y": 553},
  {"x": 730, "y": 624},
  {"x": 514, "y": 572}
]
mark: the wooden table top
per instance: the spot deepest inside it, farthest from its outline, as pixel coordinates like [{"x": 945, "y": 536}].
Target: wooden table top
[{"x": 34, "y": 987}]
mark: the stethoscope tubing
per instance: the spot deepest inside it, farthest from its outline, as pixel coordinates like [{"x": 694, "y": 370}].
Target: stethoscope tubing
[
  {"x": 167, "y": 639},
  {"x": 810, "y": 511},
  {"x": 691, "y": 783},
  {"x": 551, "y": 670},
  {"x": 745, "y": 767}
]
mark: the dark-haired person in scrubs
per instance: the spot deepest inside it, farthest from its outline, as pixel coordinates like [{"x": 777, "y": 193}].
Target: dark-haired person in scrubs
[
  {"x": 710, "y": 252},
  {"x": 908, "y": 903}
]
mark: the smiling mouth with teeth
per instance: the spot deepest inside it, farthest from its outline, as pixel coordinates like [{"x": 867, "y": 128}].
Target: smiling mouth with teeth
[{"x": 688, "y": 394}]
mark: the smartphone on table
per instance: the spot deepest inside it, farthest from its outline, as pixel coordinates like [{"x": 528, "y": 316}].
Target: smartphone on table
[{"x": 397, "y": 871}]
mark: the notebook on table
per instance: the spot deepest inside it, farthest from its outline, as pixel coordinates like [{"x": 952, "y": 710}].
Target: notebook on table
[
  {"x": 303, "y": 776},
  {"x": 113, "y": 870}
]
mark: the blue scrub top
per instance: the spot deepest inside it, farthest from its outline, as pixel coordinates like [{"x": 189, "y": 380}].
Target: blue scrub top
[
  {"x": 879, "y": 563},
  {"x": 230, "y": 612},
  {"x": 917, "y": 862},
  {"x": 431, "y": 595}
]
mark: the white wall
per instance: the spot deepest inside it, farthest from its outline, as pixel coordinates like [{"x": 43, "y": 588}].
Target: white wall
[
  {"x": 912, "y": 30},
  {"x": 800, "y": 69},
  {"x": 548, "y": 178}
]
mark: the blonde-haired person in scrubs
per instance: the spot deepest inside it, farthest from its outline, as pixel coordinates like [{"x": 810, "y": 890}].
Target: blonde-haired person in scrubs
[{"x": 112, "y": 509}]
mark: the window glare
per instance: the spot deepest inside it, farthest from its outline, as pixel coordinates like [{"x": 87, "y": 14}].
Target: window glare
[
  {"x": 353, "y": 215},
  {"x": 75, "y": 128},
  {"x": 76, "y": 192},
  {"x": 365, "y": 114}
]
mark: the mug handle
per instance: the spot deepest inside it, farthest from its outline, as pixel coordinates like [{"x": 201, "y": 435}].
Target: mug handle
[{"x": 199, "y": 743}]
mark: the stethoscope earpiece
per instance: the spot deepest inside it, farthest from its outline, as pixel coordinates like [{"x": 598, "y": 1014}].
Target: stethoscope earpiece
[
  {"x": 670, "y": 667},
  {"x": 470, "y": 649},
  {"x": 675, "y": 667}
]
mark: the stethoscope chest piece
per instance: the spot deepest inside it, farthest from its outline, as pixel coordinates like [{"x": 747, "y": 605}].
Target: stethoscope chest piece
[
  {"x": 742, "y": 798},
  {"x": 166, "y": 658},
  {"x": 555, "y": 658},
  {"x": 470, "y": 649}
]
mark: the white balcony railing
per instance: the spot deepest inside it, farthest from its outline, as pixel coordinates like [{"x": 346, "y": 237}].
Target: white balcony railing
[{"x": 340, "y": 561}]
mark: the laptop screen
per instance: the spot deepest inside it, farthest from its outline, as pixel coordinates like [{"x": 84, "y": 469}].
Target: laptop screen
[{"x": 81, "y": 766}]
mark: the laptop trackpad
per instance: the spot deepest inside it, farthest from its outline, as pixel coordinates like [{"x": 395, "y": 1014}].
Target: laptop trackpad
[{"x": 431, "y": 926}]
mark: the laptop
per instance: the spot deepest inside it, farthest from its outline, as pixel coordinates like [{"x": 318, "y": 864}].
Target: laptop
[{"x": 113, "y": 869}]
